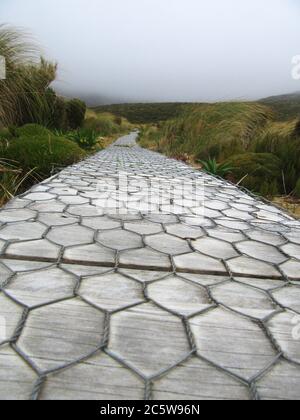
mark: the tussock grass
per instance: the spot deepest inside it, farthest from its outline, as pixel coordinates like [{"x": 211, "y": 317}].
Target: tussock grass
[
  {"x": 264, "y": 154},
  {"x": 215, "y": 130},
  {"x": 24, "y": 93}
]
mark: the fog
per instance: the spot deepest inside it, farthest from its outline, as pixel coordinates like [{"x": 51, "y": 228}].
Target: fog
[{"x": 165, "y": 50}]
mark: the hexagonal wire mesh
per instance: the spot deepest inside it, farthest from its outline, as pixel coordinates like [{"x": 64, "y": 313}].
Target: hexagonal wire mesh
[{"x": 158, "y": 305}]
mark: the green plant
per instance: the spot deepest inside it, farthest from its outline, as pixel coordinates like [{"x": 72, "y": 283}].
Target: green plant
[
  {"x": 12, "y": 179},
  {"x": 279, "y": 139},
  {"x": 85, "y": 138},
  {"x": 44, "y": 153},
  {"x": 59, "y": 118},
  {"x": 220, "y": 169},
  {"x": 31, "y": 130},
  {"x": 24, "y": 94},
  {"x": 75, "y": 110},
  {"x": 297, "y": 189},
  {"x": 102, "y": 125},
  {"x": 259, "y": 172}
]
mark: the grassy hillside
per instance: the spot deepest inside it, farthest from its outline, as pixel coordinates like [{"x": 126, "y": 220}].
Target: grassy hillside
[
  {"x": 143, "y": 113},
  {"x": 262, "y": 153},
  {"x": 285, "y": 107}
]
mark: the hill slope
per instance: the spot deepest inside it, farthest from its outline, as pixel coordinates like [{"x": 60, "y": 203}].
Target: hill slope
[
  {"x": 143, "y": 113},
  {"x": 286, "y": 107},
  {"x": 262, "y": 151}
]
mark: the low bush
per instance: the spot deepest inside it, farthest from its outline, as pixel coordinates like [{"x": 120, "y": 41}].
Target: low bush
[
  {"x": 32, "y": 130},
  {"x": 279, "y": 139},
  {"x": 76, "y": 110},
  {"x": 102, "y": 125},
  {"x": 259, "y": 172},
  {"x": 212, "y": 167},
  {"x": 43, "y": 153},
  {"x": 85, "y": 138}
]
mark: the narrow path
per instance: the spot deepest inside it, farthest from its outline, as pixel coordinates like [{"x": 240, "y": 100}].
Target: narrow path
[{"x": 133, "y": 276}]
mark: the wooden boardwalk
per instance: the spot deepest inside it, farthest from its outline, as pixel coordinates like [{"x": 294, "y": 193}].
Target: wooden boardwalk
[{"x": 134, "y": 276}]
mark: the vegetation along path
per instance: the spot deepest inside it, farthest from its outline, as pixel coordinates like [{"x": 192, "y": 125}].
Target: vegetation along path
[{"x": 112, "y": 290}]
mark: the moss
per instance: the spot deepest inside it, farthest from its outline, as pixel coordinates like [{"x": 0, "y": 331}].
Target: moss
[
  {"x": 32, "y": 130},
  {"x": 43, "y": 153}
]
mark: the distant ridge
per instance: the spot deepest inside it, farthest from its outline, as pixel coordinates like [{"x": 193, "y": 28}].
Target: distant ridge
[
  {"x": 142, "y": 113},
  {"x": 286, "y": 106}
]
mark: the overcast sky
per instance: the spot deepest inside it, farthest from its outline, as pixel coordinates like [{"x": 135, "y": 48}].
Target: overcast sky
[{"x": 165, "y": 50}]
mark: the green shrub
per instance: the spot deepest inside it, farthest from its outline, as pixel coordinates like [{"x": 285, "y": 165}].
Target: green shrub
[
  {"x": 76, "y": 110},
  {"x": 32, "y": 130},
  {"x": 212, "y": 167},
  {"x": 217, "y": 130},
  {"x": 279, "y": 139},
  {"x": 102, "y": 125},
  {"x": 5, "y": 135},
  {"x": 43, "y": 153},
  {"x": 259, "y": 172},
  {"x": 85, "y": 138},
  {"x": 59, "y": 119}
]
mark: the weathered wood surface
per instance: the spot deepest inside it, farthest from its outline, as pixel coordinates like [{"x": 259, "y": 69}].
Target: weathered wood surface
[{"x": 170, "y": 298}]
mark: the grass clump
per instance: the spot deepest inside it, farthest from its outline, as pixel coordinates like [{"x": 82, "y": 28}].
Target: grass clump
[
  {"x": 12, "y": 179},
  {"x": 25, "y": 91},
  {"x": 31, "y": 130},
  {"x": 212, "y": 167},
  {"x": 217, "y": 130},
  {"x": 279, "y": 138},
  {"x": 39, "y": 149},
  {"x": 265, "y": 154},
  {"x": 101, "y": 125},
  {"x": 26, "y": 95},
  {"x": 258, "y": 172},
  {"x": 85, "y": 138}
]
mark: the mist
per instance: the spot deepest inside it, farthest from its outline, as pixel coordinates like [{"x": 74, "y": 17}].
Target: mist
[{"x": 161, "y": 50}]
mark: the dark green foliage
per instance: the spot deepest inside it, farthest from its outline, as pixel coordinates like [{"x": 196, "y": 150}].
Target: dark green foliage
[
  {"x": 76, "y": 110},
  {"x": 59, "y": 118},
  {"x": 297, "y": 129},
  {"x": 286, "y": 107},
  {"x": 259, "y": 172},
  {"x": 85, "y": 138},
  {"x": 102, "y": 126},
  {"x": 287, "y": 148},
  {"x": 219, "y": 169},
  {"x": 43, "y": 153},
  {"x": 32, "y": 130},
  {"x": 224, "y": 130},
  {"x": 144, "y": 113},
  {"x": 5, "y": 134},
  {"x": 218, "y": 130},
  {"x": 297, "y": 189}
]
